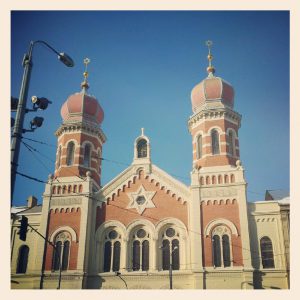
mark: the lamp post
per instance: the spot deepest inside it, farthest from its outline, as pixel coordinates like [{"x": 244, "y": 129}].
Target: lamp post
[
  {"x": 21, "y": 108},
  {"x": 171, "y": 264}
]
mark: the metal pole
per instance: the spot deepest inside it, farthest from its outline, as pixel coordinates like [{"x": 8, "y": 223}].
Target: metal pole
[
  {"x": 170, "y": 271},
  {"x": 18, "y": 127}
]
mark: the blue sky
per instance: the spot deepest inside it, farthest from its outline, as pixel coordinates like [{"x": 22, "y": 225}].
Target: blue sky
[{"x": 143, "y": 68}]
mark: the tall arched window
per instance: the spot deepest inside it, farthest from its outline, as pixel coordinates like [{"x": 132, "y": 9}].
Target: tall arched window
[
  {"x": 215, "y": 142},
  {"x": 87, "y": 155},
  {"x": 140, "y": 250},
  {"x": 142, "y": 148},
  {"x": 170, "y": 249},
  {"x": 23, "y": 259},
  {"x": 70, "y": 153},
  {"x": 61, "y": 253},
  {"x": 221, "y": 250},
  {"x": 199, "y": 146},
  {"x": 231, "y": 143},
  {"x": 59, "y": 157},
  {"x": 112, "y": 251},
  {"x": 266, "y": 250}
]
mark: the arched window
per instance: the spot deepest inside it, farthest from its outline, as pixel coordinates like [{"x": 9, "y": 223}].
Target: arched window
[
  {"x": 170, "y": 249},
  {"x": 87, "y": 155},
  {"x": 61, "y": 253},
  {"x": 215, "y": 142},
  {"x": 142, "y": 148},
  {"x": 267, "y": 256},
  {"x": 231, "y": 143},
  {"x": 216, "y": 251},
  {"x": 23, "y": 259},
  {"x": 221, "y": 249},
  {"x": 70, "y": 153},
  {"x": 199, "y": 146},
  {"x": 58, "y": 157},
  {"x": 112, "y": 251},
  {"x": 140, "y": 250}
]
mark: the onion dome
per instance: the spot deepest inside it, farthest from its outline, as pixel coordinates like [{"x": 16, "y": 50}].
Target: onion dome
[
  {"x": 82, "y": 106},
  {"x": 212, "y": 88}
]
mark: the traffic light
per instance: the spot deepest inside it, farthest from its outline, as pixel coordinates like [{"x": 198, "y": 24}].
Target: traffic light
[{"x": 23, "y": 228}]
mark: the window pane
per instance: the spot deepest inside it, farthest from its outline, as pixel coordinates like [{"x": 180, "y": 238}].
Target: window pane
[
  {"x": 145, "y": 256},
  {"x": 215, "y": 142},
  {"x": 117, "y": 252},
  {"x": 23, "y": 259},
  {"x": 65, "y": 258},
  {"x": 216, "y": 251},
  {"x": 87, "y": 155},
  {"x": 267, "y": 255},
  {"x": 107, "y": 256},
  {"x": 142, "y": 148},
  {"x": 136, "y": 256},
  {"x": 175, "y": 255},
  {"x": 226, "y": 251},
  {"x": 166, "y": 255},
  {"x": 70, "y": 154},
  {"x": 56, "y": 256},
  {"x": 199, "y": 146}
]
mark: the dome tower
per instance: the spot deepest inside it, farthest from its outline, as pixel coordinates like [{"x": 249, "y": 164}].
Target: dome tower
[
  {"x": 80, "y": 137},
  {"x": 214, "y": 124}
]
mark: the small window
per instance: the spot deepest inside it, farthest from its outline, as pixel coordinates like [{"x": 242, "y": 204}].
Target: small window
[
  {"x": 231, "y": 143},
  {"x": 267, "y": 256},
  {"x": 23, "y": 260},
  {"x": 87, "y": 156},
  {"x": 142, "y": 148},
  {"x": 199, "y": 146},
  {"x": 70, "y": 154},
  {"x": 59, "y": 157},
  {"x": 215, "y": 142}
]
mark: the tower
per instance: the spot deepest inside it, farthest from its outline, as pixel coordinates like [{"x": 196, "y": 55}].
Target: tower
[
  {"x": 68, "y": 198},
  {"x": 218, "y": 215}
]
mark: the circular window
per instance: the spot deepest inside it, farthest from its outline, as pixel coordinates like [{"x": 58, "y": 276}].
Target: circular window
[
  {"x": 170, "y": 232},
  {"x": 113, "y": 234},
  {"x": 140, "y": 200},
  {"x": 141, "y": 233}
]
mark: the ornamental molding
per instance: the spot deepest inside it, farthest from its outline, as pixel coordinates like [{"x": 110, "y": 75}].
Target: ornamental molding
[
  {"x": 81, "y": 127},
  {"x": 214, "y": 114},
  {"x": 65, "y": 201},
  {"x": 146, "y": 196},
  {"x": 226, "y": 192},
  {"x": 170, "y": 185}
]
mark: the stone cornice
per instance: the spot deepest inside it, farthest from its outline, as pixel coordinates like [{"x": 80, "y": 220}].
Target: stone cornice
[
  {"x": 212, "y": 114},
  {"x": 83, "y": 127}
]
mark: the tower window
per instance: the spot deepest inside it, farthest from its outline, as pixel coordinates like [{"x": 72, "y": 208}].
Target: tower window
[
  {"x": 267, "y": 256},
  {"x": 58, "y": 157},
  {"x": 70, "y": 154},
  {"x": 87, "y": 156},
  {"x": 23, "y": 259},
  {"x": 61, "y": 252},
  {"x": 142, "y": 148},
  {"x": 199, "y": 146},
  {"x": 215, "y": 142},
  {"x": 231, "y": 143}
]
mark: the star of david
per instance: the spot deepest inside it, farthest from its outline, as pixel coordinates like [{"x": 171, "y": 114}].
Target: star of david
[{"x": 141, "y": 199}]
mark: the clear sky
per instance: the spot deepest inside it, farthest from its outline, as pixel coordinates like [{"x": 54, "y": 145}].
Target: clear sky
[{"x": 143, "y": 68}]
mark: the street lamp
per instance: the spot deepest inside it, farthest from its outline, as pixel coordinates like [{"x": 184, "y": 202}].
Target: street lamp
[
  {"x": 171, "y": 264},
  {"x": 21, "y": 107}
]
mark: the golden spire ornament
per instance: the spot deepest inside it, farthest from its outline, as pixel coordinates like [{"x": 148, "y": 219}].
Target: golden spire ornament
[
  {"x": 210, "y": 69},
  {"x": 85, "y": 84}
]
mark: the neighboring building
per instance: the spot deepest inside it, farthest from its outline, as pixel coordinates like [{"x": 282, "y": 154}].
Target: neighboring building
[{"x": 128, "y": 233}]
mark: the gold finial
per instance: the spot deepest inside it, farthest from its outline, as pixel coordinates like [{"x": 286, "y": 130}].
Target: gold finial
[
  {"x": 210, "y": 69},
  {"x": 85, "y": 84}
]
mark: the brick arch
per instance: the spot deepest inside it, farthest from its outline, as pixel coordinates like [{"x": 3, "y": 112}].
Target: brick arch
[{"x": 220, "y": 221}]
